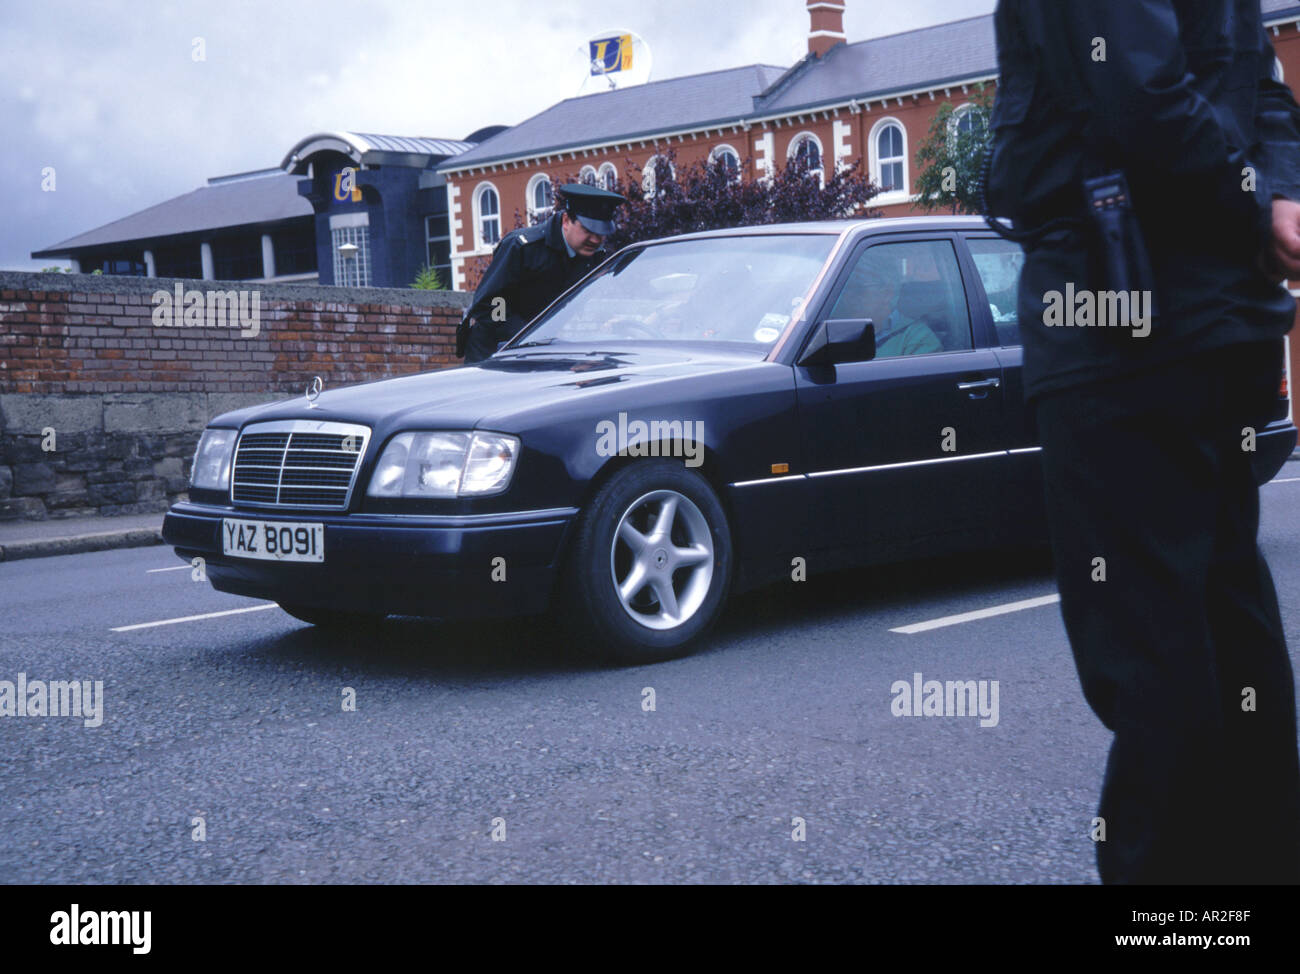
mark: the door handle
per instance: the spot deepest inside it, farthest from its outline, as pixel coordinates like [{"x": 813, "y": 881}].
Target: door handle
[{"x": 992, "y": 383}]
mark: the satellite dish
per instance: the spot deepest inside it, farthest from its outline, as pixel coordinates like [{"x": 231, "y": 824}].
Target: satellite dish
[{"x": 611, "y": 59}]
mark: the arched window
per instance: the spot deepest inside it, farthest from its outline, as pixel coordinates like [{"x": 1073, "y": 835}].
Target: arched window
[
  {"x": 540, "y": 197},
  {"x": 587, "y": 175},
  {"x": 966, "y": 120},
  {"x": 807, "y": 149},
  {"x": 889, "y": 156},
  {"x": 608, "y": 176},
  {"x": 729, "y": 158},
  {"x": 649, "y": 177},
  {"x": 487, "y": 216},
  {"x": 1277, "y": 70}
]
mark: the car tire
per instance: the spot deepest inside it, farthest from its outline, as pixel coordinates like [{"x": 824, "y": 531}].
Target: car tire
[
  {"x": 332, "y": 618},
  {"x": 684, "y": 565}
]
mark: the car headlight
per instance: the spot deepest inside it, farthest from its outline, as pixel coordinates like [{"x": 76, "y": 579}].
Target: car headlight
[
  {"x": 211, "y": 470},
  {"x": 445, "y": 465}
]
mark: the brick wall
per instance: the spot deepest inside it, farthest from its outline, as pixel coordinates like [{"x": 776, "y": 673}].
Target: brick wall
[{"x": 100, "y": 408}]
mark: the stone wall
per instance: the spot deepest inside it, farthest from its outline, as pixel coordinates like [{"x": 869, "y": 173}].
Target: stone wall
[{"x": 101, "y": 407}]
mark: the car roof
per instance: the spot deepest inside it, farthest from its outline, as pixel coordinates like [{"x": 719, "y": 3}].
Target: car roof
[{"x": 866, "y": 225}]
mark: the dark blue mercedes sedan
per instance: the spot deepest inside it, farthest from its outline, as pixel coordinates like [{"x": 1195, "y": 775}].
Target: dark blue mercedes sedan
[{"x": 700, "y": 415}]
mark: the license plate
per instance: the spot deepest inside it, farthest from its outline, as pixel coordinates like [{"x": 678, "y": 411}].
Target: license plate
[{"x": 273, "y": 540}]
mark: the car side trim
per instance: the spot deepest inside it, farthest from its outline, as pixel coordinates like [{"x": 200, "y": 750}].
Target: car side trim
[{"x": 880, "y": 466}]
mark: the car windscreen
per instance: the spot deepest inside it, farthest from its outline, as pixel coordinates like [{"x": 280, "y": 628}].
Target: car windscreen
[{"x": 718, "y": 289}]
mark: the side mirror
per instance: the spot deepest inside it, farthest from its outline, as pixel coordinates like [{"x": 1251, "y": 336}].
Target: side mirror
[{"x": 841, "y": 340}]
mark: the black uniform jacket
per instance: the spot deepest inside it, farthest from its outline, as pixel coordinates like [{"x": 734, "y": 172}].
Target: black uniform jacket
[
  {"x": 1180, "y": 95},
  {"x": 530, "y": 268}
]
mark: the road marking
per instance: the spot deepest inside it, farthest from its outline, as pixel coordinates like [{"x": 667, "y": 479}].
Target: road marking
[
  {"x": 206, "y": 615},
  {"x": 178, "y": 568},
  {"x": 1286, "y": 480},
  {"x": 997, "y": 610}
]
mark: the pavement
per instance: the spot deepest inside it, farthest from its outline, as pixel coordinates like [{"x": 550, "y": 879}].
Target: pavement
[{"x": 75, "y": 535}]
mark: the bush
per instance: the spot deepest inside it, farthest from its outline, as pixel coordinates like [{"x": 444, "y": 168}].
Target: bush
[
  {"x": 706, "y": 196},
  {"x": 428, "y": 280}
]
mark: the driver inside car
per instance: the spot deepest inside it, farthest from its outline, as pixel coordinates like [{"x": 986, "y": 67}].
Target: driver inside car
[{"x": 872, "y": 292}]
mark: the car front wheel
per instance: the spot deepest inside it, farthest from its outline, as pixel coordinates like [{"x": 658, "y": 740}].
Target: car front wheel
[{"x": 650, "y": 565}]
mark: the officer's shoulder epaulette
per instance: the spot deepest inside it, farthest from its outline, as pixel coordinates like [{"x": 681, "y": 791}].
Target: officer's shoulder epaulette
[{"x": 529, "y": 235}]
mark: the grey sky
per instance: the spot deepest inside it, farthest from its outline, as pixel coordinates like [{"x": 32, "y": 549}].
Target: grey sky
[{"x": 109, "y": 94}]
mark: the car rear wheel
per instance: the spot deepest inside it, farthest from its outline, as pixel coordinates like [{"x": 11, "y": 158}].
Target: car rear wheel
[
  {"x": 650, "y": 564},
  {"x": 332, "y": 618}
]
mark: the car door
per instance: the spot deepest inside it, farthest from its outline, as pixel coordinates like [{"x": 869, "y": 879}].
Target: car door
[
  {"x": 904, "y": 449},
  {"x": 997, "y": 263}
]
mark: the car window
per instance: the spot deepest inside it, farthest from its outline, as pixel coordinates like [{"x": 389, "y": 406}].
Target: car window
[
  {"x": 913, "y": 294},
  {"x": 740, "y": 289},
  {"x": 999, "y": 263}
]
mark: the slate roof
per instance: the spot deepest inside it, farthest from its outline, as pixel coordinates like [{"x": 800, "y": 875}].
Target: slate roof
[
  {"x": 262, "y": 196},
  {"x": 1273, "y": 9},
  {"x": 716, "y": 97},
  {"x": 923, "y": 58},
  {"x": 228, "y": 201}
]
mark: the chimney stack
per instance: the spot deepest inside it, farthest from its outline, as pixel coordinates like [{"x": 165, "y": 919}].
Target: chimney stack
[{"x": 827, "y": 27}]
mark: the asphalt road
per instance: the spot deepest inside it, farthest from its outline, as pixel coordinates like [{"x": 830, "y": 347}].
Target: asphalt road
[{"x": 787, "y": 713}]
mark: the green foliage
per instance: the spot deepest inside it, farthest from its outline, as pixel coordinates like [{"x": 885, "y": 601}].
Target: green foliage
[
  {"x": 428, "y": 280},
  {"x": 52, "y": 270},
  {"x": 951, "y": 157}
]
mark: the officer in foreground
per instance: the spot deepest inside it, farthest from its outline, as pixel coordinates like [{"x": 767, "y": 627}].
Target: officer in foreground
[
  {"x": 1143, "y": 146},
  {"x": 534, "y": 265}
]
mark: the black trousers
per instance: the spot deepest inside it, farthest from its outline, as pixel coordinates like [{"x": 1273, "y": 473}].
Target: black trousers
[{"x": 1180, "y": 649}]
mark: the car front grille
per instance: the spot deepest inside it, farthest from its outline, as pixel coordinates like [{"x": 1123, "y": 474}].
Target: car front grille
[{"x": 298, "y": 464}]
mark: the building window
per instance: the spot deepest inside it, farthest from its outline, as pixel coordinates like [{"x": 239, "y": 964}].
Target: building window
[
  {"x": 729, "y": 159},
  {"x": 487, "y": 216},
  {"x": 806, "y": 149},
  {"x": 437, "y": 247},
  {"x": 966, "y": 120},
  {"x": 889, "y": 156},
  {"x": 295, "y": 251},
  {"x": 237, "y": 257},
  {"x": 587, "y": 175},
  {"x": 351, "y": 266},
  {"x": 655, "y": 168},
  {"x": 1277, "y": 70},
  {"x": 117, "y": 265},
  {"x": 608, "y": 176},
  {"x": 541, "y": 197},
  {"x": 179, "y": 260}
]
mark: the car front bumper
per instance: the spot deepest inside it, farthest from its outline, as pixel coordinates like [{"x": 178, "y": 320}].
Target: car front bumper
[{"x": 439, "y": 566}]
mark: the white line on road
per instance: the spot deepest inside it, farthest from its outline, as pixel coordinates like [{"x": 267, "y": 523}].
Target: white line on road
[
  {"x": 1286, "y": 480},
  {"x": 996, "y": 610},
  {"x": 206, "y": 615},
  {"x": 178, "y": 568}
]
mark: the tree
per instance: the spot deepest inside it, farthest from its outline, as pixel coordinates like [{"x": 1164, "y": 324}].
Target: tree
[
  {"x": 710, "y": 196},
  {"x": 952, "y": 156}
]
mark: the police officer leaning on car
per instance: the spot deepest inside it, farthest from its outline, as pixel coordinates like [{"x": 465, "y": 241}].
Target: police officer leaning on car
[
  {"x": 532, "y": 266},
  {"x": 1145, "y": 146}
]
